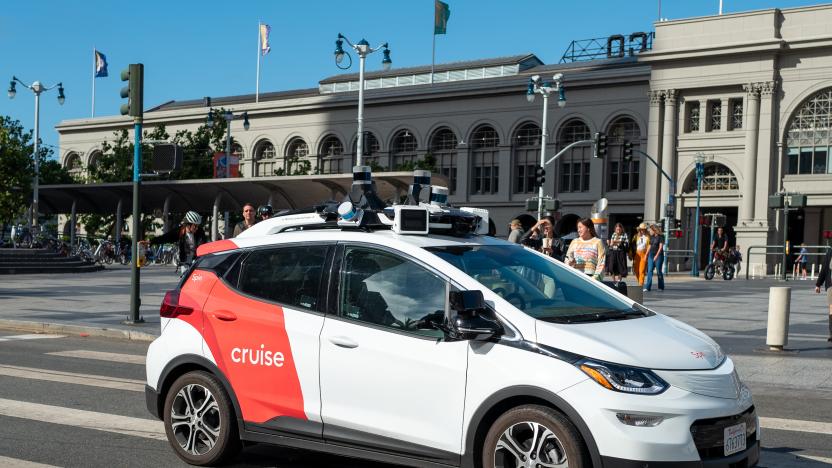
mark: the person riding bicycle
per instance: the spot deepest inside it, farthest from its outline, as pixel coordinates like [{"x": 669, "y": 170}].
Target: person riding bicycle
[
  {"x": 188, "y": 236},
  {"x": 720, "y": 243}
]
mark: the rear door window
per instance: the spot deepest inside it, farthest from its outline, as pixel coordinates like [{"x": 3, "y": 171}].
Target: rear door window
[{"x": 288, "y": 275}]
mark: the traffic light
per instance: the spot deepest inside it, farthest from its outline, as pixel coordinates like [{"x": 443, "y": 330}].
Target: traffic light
[
  {"x": 628, "y": 151},
  {"x": 600, "y": 145},
  {"x": 134, "y": 91},
  {"x": 539, "y": 176},
  {"x": 551, "y": 205}
]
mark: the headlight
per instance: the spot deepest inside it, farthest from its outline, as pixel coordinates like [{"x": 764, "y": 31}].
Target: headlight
[{"x": 622, "y": 378}]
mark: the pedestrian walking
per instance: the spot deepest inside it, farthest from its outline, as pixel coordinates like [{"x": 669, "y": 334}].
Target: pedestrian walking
[
  {"x": 640, "y": 246},
  {"x": 249, "y": 219},
  {"x": 188, "y": 237},
  {"x": 825, "y": 280},
  {"x": 586, "y": 252},
  {"x": 541, "y": 237},
  {"x": 655, "y": 258},
  {"x": 515, "y": 231},
  {"x": 618, "y": 245},
  {"x": 800, "y": 262}
]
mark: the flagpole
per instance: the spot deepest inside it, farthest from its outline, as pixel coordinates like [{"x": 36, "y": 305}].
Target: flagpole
[
  {"x": 94, "y": 64},
  {"x": 433, "y": 57},
  {"x": 257, "y": 89}
]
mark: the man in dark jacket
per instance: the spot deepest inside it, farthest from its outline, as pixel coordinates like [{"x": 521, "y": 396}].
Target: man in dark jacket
[{"x": 825, "y": 280}]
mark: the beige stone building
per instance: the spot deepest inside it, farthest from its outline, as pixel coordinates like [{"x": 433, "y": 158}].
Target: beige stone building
[{"x": 750, "y": 91}]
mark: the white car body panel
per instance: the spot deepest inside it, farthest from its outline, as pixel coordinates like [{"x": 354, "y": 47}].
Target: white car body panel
[{"x": 179, "y": 338}]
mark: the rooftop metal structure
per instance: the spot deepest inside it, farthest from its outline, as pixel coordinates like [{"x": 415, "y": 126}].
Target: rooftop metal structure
[{"x": 615, "y": 46}]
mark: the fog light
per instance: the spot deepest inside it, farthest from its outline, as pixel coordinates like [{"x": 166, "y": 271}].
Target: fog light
[{"x": 639, "y": 420}]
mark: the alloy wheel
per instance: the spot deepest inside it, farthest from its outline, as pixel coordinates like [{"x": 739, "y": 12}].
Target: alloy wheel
[
  {"x": 529, "y": 445},
  {"x": 195, "y": 419}
]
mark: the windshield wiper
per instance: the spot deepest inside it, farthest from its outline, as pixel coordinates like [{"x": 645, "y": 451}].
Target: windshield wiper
[{"x": 606, "y": 316}]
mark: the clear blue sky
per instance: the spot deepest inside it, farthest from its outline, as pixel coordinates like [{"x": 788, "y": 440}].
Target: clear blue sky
[{"x": 192, "y": 49}]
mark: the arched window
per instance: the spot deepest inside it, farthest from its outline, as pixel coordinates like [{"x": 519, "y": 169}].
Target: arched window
[
  {"x": 485, "y": 155},
  {"x": 237, "y": 150},
  {"x": 74, "y": 165},
  {"x": 331, "y": 156},
  {"x": 809, "y": 136},
  {"x": 296, "y": 158},
  {"x": 371, "y": 149},
  {"x": 526, "y": 149},
  {"x": 403, "y": 150},
  {"x": 94, "y": 160},
  {"x": 623, "y": 175},
  {"x": 574, "y": 166},
  {"x": 443, "y": 147},
  {"x": 266, "y": 160},
  {"x": 715, "y": 177}
]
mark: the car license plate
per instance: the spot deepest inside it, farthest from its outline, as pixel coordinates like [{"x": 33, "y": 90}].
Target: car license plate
[{"x": 734, "y": 439}]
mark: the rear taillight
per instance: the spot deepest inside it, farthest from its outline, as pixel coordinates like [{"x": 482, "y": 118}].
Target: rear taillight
[{"x": 170, "y": 306}]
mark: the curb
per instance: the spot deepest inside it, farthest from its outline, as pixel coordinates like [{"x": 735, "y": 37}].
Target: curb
[{"x": 57, "y": 328}]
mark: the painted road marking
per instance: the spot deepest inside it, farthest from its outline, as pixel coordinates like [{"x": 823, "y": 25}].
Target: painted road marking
[
  {"x": 796, "y": 425},
  {"x": 72, "y": 378},
  {"x": 101, "y": 356},
  {"x": 138, "y": 427},
  {"x": 33, "y": 336},
  {"x": 15, "y": 463}
]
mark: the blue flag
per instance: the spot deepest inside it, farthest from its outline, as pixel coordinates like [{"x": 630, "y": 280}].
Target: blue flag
[{"x": 100, "y": 64}]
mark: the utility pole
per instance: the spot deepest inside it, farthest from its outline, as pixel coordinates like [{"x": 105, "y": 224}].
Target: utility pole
[{"x": 134, "y": 92}]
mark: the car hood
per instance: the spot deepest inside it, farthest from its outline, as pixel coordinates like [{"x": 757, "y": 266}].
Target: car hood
[{"x": 655, "y": 342}]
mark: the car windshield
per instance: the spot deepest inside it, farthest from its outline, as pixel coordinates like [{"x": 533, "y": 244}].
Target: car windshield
[{"x": 542, "y": 288}]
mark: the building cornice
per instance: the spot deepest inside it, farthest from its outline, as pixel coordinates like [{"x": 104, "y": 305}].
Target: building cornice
[{"x": 773, "y": 45}]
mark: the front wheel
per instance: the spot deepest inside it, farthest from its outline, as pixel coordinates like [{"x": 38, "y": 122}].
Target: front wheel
[
  {"x": 710, "y": 270},
  {"x": 533, "y": 435},
  {"x": 199, "y": 420}
]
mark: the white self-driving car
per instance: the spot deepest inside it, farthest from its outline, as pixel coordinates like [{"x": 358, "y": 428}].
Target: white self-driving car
[{"x": 432, "y": 349}]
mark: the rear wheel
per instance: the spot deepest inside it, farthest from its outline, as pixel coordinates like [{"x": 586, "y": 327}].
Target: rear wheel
[
  {"x": 199, "y": 420},
  {"x": 534, "y": 436},
  {"x": 728, "y": 272}
]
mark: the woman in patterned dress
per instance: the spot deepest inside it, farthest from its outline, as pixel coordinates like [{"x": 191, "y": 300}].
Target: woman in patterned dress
[{"x": 618, "y": 245}]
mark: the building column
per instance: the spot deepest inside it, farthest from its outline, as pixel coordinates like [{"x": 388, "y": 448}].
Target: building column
[
  {"x": 767, "y": 152},
  {"x": 215, "y": 213},
  {"x": 506, "y": 165},
  {"x": 166, "y": 214},
  {"x": 654, "y": 148},
  {"x": 463, "y": 174},
  {"x": 668, "y": 146},
  {"x": 749, "y": 176},
  {"x": 725, "y": 119},
  {"x": 73, "y": 218},
  {"x": 118, "y": 226}
]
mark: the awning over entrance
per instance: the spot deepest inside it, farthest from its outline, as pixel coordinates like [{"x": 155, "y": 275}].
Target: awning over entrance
[{"x": 285, "y": 192}]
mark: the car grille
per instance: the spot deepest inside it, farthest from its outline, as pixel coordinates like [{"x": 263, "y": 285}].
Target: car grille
[{"x": 708, "y": 434}]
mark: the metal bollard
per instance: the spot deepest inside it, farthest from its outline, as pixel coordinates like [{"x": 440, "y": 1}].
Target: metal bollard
[{"x": 779, "y": 300}]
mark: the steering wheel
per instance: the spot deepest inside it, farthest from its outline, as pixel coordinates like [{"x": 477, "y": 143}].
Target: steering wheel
[{"x": 516, "y": 300}]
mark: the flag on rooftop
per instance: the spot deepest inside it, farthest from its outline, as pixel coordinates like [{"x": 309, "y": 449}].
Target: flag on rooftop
[
  {"x": 265, "y": 30},
  {"x": 440, "y": 19},
  {"x": 100, "y": 64}
]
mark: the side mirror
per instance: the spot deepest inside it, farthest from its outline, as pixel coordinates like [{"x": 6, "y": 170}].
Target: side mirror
[{"x": 470, "y": 322}]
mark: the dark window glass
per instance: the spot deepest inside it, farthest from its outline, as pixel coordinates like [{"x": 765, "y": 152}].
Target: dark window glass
[
  {"x": 288, "y": 275},
  {"x": 384, "y": 289},
  {"x": 805, "y": 161},
  {"x": 819, "y": 167},
  {"x": 693, "y": 117},
  {"x": 793, "y": 157}
]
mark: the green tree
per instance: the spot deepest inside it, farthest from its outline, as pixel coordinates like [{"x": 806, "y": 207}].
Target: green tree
[{"x": 17, "y": 168}]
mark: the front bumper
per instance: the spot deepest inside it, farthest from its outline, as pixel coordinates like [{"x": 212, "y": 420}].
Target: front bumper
[
  {"x": 689, "y": 435},
  {"x": 748, "y": 458}
]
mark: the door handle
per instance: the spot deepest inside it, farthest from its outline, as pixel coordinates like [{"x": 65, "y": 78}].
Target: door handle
[
  {"x": 224, "y": 315},
  {"x": 343, "y": 342}
]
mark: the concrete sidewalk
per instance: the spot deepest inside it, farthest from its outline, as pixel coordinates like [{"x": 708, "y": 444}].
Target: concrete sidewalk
[{"x": 734, "y": 313}]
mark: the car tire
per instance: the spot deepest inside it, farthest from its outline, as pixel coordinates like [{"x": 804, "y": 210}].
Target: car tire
[
  {"x": 513, "y": 440},
  {"x": 205, "y": 431}
]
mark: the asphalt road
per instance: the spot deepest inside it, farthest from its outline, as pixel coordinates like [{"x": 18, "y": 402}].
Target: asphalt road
[{"x": 63, "y": 404}]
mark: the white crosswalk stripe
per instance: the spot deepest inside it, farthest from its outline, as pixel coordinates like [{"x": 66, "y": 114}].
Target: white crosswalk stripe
[
  {"x": 146, "y": 428},
  {"x": 32, "y": 336},
  {"x": 15, "y": 463},
  {"x": 796, "y": 425},
  {"x": 101, "y": 356},
  {"x": 73, "y": 378}
]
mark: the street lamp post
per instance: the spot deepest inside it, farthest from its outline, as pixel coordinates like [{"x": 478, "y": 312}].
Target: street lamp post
[
  {"x": 228, "y": 116},
  {"x": 37, "y": 88},
  {"x": 363, "y": 49},
  {"x": 700, "y": 172},
  {"x": 536, "y": 86}
]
